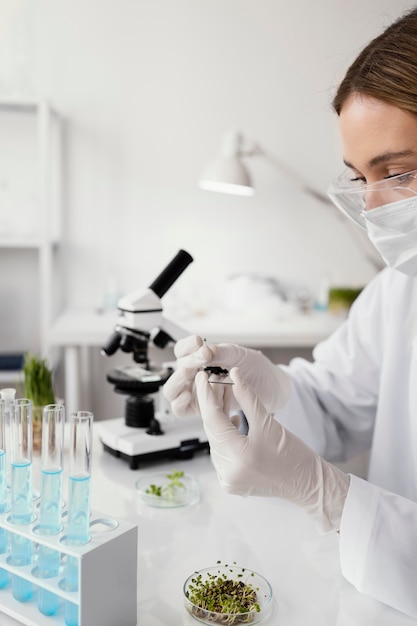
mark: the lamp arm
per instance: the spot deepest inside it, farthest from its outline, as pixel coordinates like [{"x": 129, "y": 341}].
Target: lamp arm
[
  {"x": 361, "y": 241},
  {"x": 304, "y": 184}
]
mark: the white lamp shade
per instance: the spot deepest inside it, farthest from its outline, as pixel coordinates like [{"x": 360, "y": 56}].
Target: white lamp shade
[{"x": 227, "y": 174}]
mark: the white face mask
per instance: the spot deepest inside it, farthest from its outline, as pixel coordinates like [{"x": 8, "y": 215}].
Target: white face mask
[{"x": 392, "y": 229}]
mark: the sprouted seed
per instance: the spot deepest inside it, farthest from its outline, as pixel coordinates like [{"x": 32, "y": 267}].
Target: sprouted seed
[
  {"x": 233, "y": 600},
  {"x": 170, "y": 489}
]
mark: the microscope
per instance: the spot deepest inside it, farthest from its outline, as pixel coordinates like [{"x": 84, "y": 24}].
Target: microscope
[{"x": 148, "y": 432}]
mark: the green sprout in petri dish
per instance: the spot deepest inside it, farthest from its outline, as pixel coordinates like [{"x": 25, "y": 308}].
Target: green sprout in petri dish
[
  {"x": 170, "y": 489},
  {"x": 232, "y": 599}
]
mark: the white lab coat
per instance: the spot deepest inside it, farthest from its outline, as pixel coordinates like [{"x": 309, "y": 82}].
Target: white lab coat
[{"x": 361, "y": 392}]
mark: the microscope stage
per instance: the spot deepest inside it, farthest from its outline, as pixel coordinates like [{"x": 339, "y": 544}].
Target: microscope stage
[{"x": 180, "y": 439}]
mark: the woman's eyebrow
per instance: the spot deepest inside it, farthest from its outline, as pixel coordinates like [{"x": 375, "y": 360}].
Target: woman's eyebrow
[
  {"x": 388, "y": 156},
  {"x": 383, "y": 158}
]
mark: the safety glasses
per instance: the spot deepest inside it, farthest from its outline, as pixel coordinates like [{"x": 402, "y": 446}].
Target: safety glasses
[{"x": 353, "y": 197}]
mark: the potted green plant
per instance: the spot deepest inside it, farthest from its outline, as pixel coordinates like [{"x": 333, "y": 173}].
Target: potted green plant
[
  {"x": 38, "y": 387},
  {"x": 342, "y": 298}
]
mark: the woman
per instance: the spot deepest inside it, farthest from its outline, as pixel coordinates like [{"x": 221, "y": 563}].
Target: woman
[{"x": 361, "y": 389}]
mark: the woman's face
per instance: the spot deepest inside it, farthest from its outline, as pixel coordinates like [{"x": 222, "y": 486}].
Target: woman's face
[{"x": 379, "y": 142}]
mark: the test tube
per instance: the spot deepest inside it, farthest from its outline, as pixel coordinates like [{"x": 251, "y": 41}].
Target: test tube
[
  {"x": 78, "y": 525},
  {"x": 4, "y": 575},
  {"x": 50, "y": 512},
  {"x": 21, "y": 491},
  {"x": 8, "y": 394}
]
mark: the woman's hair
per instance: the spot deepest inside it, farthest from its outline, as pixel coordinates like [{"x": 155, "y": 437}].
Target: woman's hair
[{"x": 387, "y": 68}]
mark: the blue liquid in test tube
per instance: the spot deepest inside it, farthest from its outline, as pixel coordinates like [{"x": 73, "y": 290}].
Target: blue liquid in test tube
[
  {"x": 21, "y": 492},
  {"x": 4, "y": 574},
  {"x": 50, "y": 513},
  {"x": 78, "y": 529},
  {"x": 6, "y": 398},
  {"x": 78, "y": 526}
]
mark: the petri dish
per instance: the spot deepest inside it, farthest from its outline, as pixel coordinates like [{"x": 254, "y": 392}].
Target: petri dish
[
  {"x": 184, "y": 492},
  {"x": 224, "y": 580}
]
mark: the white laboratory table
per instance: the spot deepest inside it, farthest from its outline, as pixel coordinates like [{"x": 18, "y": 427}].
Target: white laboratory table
[
  {"x": 270, "y": 536},
  {"x": 79, "y": 331}
]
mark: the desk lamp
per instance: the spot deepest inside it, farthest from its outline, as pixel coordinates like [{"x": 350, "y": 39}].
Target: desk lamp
[{"x": 229, "y": 174}]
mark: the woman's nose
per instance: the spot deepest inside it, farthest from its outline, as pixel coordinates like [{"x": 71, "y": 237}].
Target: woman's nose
[{"x": 375, "y": 199}]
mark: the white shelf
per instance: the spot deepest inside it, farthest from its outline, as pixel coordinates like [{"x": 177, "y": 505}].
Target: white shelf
[
  {"x": 23, "y": 105},
  {"x": 91, "y": 328},
  {"x": 39, "y": 137},
  {"x": 25, "y": 243},
  {"x": 11, "y": 376}
]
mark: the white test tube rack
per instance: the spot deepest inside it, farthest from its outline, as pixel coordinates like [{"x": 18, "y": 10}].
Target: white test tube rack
[{"x": 107, "y": 574}]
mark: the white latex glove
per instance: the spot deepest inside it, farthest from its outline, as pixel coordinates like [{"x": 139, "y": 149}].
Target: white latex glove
[
  {"x": 270, "y": 383},
  {"x": 269, "y": 460}
]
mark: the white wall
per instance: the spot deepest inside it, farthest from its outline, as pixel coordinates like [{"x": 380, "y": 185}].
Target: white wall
[{"x": 148, "y": 88}]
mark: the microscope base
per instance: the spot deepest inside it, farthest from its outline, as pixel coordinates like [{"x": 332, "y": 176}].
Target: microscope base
[{"x": 180, "y": 440}]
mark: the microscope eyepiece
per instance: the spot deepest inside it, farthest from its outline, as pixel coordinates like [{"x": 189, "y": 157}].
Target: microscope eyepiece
[{"x": 169, "y": 275}]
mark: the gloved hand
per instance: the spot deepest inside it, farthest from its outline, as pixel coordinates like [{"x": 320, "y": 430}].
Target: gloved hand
[
  {"x": 269, "y": 460},
  {"x": 270, "y": 383}
]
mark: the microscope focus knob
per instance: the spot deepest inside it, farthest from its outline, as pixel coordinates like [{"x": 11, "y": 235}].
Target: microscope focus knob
[{"x": 154, "y": 428}]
